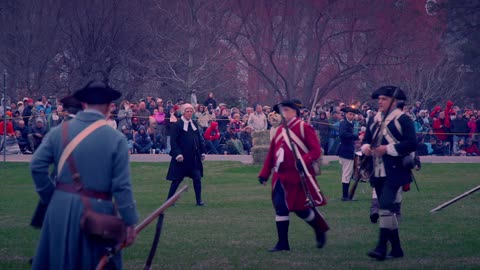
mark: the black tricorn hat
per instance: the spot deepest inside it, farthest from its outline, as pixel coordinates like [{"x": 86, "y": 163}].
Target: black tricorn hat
[
  {"x": 350, "y": 109},
  {"x": 389, "y": 91},
  {"x": 292, "y": 103},
  {"x": 71, "y": 102},
  {"x": 97, "y": 92}
]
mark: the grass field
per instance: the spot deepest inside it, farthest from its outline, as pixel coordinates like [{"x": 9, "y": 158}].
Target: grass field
[{"x": 237, "y": 226}]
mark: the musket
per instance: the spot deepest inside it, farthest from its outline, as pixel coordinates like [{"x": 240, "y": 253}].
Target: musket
[
  {"x": 304, "y": 173},
  {"x": 440, "y": 207},
  {"x": 112, "y": 252},
  {"x": 366, "y": 163},
  {"x": 356, "y": 177}
]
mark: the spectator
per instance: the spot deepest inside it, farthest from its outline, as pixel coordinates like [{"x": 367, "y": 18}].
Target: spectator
[
  {"x": 159, "y": 103},
  {"x": 172, "y": 119},
  {"x": 10, "y": 130},
  {"x": 333, "y": 140},
  {"x": 20, "y": 107},
  {"x": 441, "y": 127},
  {"x": 135, "y": 124},
  {"x": 129, "y": 136},
  {"x": 160, "y": 130},
  {"x": 233, "y": 145},
  {"x": 417, "y": 107},
  {"x": 143, "y": 114},
  {"x": 124, "y": 116},
  {"x": 471, "y": 149},
  {"x": 37, "y": 133},
  {"x": 152, "y": 106},
  {"x": 472, "y": 126},
  {"x": 156, "y": 139},
  {"x": 223, "y": 120},
  {"x": 246, "y": 139},
  {"x": 111, "y": 121},
  {"x": 236, "y": 124},
  {"x": 203, "y": 117},
  {"x": 422, "y": 148},
  {"x": 439, "y": 148},
  {"x": 459, "y": 128},
  {"x": 210, "y": 100},
  {"x": 27, "y": 112},
  {"x": 212, "y": 138},
  {"x": 143, "y": 142},
  {"x": 54, "y": 119},
  {"x": 460, "y": 148},
  {"x": 257, "y": 120},
  {"x": 321, "y": 125},
  {"x": 114, "y": 113},
  {"x": 21, "y": 133}
]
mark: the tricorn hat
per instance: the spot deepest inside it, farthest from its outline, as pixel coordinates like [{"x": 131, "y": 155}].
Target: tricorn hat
[
  {"x": 350, "y": 109},
  {"x": 389, "y": 91},
  {"x": 292, "y": 103},
  {"x": 97, "y": 92},
  {"x": 71, "y": 102}
]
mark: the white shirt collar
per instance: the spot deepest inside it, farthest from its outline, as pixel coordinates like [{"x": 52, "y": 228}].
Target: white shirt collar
[{"x": 185, "y": 124}]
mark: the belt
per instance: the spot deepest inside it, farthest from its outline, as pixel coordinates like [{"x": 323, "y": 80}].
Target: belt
[{"x": 71, "y": 188}]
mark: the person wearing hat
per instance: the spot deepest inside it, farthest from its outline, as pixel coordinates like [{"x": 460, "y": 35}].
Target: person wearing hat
[
  {"x": 72, "y": 106},
  {"x": 106, "y": 176},
  {"x": 395, "y": 142},
  {"x": 288, "y": 194},
  {"x": 347, "y": 148},
  {"x": 187, "y": 152},
  {"x": 27, "y": 112}
]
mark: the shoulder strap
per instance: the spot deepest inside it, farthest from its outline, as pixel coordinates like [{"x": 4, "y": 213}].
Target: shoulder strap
[{"x": 76, "y": 141}]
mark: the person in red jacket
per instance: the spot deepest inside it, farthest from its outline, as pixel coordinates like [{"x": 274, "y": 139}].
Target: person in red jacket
[
  {"x": 212, "y": 138},
  {"x": 288, "y": 194},
  {"x": 441, "y": 126},
  {"x": 471, "y": 149},
  {"x": 10, "y": 131}
]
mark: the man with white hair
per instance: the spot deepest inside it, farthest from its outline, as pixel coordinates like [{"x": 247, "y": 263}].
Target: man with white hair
[{"x": 188, "y": 152}]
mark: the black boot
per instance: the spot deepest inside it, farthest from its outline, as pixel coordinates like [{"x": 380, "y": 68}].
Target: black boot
[
  {"x": 374, "y": 207},
  {"x": 173, "y": 188},
  {"x": 320, "y": 237},
  {"x": 345, "y": 191},
  {"x": 282, "y": 231},
  {"x": 380, "y": 251},
  {"x": 197, "y": 186},
  {"x": 397, "y": 251}
]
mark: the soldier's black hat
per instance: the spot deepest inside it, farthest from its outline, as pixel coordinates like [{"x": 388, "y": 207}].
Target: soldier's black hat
[
  {"x": 292, "y": 103},
  {"x": 350, "y": 109},
  {"x": 97, "y": 92},
  {"x": 389, "y": 91},
  {"x": 71, "y": 102}
]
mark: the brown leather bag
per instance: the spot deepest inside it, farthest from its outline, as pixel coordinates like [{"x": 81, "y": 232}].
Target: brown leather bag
[
  {"x": 102, "y": 226},
  {"x": 105, "y": 227}
]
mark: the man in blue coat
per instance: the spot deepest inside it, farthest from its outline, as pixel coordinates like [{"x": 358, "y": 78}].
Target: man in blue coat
[
  {"x": 389, "y": 140},
  {"x": 188, "y": 152},
  {"x": 347, "y": 148},
  {"x": 103, "y": 164}
]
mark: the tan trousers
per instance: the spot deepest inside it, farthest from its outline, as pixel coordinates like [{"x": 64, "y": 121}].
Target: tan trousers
[{"x": 347, "y": 169}]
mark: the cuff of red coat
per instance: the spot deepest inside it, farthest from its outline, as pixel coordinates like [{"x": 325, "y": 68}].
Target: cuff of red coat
[
  {"x": 307, "y": 159},
  {"x": 129, "y": 214}
]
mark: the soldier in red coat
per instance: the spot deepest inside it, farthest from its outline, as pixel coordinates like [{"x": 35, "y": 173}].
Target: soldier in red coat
[{"x": 288, "y": 194}]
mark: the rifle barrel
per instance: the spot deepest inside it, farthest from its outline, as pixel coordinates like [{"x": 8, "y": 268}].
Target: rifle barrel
[{"x": 452, "y": 201}]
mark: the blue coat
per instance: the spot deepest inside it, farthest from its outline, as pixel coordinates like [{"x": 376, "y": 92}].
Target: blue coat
[
  {"x": 347, "y": 140},
  {"x": 103, "y": 163}
]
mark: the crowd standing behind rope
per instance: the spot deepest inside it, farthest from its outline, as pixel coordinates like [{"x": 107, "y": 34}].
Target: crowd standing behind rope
[{"x": 147, "y": 125}]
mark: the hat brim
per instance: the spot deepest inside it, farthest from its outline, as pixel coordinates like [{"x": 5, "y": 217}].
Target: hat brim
[
  {"x": 71, "y": 102},
  {"x": 97, "y": 95},
  {"x": 348, "y": 109}
]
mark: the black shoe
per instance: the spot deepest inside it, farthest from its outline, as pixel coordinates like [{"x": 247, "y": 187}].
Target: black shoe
[
  {"x": 376, "y": 255},
  {"x": 374, "y": 218},
  {"x": 345, "y": 199},
  {"x": 397, "y": 251},
  {"x": 380, "y": 252},
  {"x": 201, "y": 203},
  {"x": 321, "y": 238},
  {"x": 395, "y": 255},
  {"x": 279, "y": 247}
]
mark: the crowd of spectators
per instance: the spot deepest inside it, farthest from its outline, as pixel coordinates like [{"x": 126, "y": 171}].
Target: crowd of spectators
[{"x": 146, "y": 124}]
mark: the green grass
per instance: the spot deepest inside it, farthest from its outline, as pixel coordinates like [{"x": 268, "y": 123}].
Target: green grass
[{"x": 237, "y": 226}]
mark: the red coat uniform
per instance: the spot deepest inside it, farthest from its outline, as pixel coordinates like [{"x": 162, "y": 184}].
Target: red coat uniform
[{"x": 286, "y": 173}]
